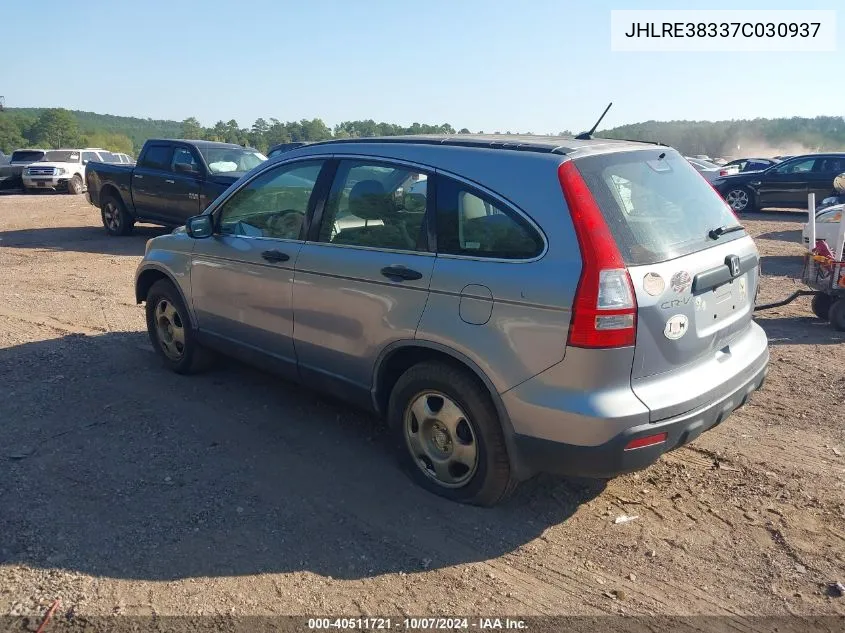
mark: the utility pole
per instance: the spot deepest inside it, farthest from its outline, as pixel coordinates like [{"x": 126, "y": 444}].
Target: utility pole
[{"x": 2, "y": 103}]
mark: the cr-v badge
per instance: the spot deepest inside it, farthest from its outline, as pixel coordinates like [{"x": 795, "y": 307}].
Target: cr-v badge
[{"x": 676, "y": 327}]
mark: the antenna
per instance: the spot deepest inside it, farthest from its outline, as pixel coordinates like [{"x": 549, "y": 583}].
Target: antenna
[{"x": 586, "y": 136}]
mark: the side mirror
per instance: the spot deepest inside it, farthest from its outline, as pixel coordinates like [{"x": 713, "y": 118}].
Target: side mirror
[
  {"x": 200, "y": 226},
  {"x": 186, "y": 168}
]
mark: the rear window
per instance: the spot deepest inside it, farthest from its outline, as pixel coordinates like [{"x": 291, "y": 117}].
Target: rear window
[
  {"x": 26, "y": 156},
  {"x": 655, "y": 204}
]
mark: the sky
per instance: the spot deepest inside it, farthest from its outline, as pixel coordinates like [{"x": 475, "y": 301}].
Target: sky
[{"x": 539, "y": 66}]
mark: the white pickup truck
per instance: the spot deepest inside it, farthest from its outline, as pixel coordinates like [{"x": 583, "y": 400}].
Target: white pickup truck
[{"x": 64, "y": 169}]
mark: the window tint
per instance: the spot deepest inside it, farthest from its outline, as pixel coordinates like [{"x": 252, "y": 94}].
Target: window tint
[
  {"x": 376, "y": 205},
  {"x": 183, "y": 156},
  {"x": 470, "y": 224},
  {"x": 272, "y": 205},
  {"x": 830, "y": 165},
  {"x": 156, "y": 157},
  {"x": 797, "y": 166}
]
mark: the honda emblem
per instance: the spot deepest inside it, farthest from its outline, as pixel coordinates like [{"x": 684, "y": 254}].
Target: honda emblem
[{"x": 733, "y": 265}]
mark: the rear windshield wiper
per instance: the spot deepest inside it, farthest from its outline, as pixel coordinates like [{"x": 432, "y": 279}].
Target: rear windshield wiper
[{"x": 719, "y": 231}]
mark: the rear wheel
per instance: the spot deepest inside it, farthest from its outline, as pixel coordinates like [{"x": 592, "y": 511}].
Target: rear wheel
[
  {"x": 170, "y": 331},
  {"x": 74, "y": 185},
  {"x": 115, "y": 217},
  {"x": 740, "y": 199},
  {"x": 820, "y": 305},
  {"x": 837, "y": 315},
  {"x": 448, "y": 435}
]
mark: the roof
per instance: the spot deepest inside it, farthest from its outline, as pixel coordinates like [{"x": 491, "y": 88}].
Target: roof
[
  {"x": 196, "y": 142},
  {"x": 519, "y": 142}
]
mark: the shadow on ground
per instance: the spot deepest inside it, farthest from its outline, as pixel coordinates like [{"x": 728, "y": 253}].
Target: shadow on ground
[
  {"x": 782, "y": 265},
  {"x": 81, "y": 239},
  {"x": 782, "y": 236},
  {"x": 807, "y": 330},
  {"x": 110, "y": 465}
]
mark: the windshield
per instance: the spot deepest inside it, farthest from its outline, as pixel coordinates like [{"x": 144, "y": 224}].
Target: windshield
[
  {"x": 656, "y": 205},
  {"x": 222, "y": 160},
  {"x": 26, "y": 156},
  {"x": 62, "y": 156}
]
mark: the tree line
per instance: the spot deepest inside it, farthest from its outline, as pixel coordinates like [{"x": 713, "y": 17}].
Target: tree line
[{"x": 57, "y": 127}]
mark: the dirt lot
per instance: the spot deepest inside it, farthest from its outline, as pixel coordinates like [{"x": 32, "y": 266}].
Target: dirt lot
[{"x": 126, "y": 489}]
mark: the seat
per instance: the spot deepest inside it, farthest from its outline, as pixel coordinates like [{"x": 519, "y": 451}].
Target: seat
[{"x": 369, "y": 201}]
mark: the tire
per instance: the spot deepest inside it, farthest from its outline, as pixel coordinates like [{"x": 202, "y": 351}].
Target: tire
[
  {"x": 176, "y": 345},
  {"x": 837, "y": 315},
  {"x": 469, "y": 424},
  {"x": 821, "y": 304},
  {"x": 74, "y": 185},
  {"x": 115, "y": 217},
  {"x": 740, "y": 199}
]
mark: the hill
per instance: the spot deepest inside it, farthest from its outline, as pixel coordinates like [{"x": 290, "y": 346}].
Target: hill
[{"x": 760, "y": 137}]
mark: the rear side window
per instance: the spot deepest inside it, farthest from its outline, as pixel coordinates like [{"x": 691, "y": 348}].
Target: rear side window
[
  {"x": 470, "y": 223},
  {"x": 156, "y": 157},
  {"x": 655, "y": 204}
]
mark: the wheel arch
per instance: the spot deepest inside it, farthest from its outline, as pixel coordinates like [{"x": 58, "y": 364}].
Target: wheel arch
[{"x": 150, "y": 275}]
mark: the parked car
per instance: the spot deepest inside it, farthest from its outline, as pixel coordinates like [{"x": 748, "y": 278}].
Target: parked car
[
  {"x": 172, "y": 181},
  {"x": 549, "y": 304},
  {"x": 784, "y": 185},
  {"x": 752, "y": 164},
  {"x": 709, "y": 170},
  {"x": 284, "y": 147},
  {"x": 62, "y": 169},
  {"x": 125, "y": 159},
  {"x": 10, "y": 173}
]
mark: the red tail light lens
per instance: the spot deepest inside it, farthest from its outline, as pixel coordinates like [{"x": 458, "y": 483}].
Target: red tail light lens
[
  {"x": 604, "y": 313},
  {"x": 649, "y": 440}
]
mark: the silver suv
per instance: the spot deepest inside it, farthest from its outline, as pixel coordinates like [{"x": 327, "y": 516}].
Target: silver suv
[{"x": 510, "y": 307}]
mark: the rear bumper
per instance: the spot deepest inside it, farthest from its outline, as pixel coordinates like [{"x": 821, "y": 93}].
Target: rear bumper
[{"x": 610, "y": 458}]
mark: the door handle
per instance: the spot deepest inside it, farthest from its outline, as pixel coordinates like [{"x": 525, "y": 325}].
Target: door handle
[
  {"x": 170, "y": 181},
  {"x": 396, "y": 273},
  {"x": 138, "y": 176},
  {"x": 275, "y": 256}
]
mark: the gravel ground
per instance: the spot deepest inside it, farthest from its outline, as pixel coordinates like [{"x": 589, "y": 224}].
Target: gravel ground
[{"x": 125, "y": 489}]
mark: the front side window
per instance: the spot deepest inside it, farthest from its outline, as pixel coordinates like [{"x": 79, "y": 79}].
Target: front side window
[
  {"x": 273, "y": 204},
  {"x": 376, "y": 205},
  {"x": 468, "y": 223},
  {"x": 157, "y": 157},
  {"x": 184, "y": 156}
]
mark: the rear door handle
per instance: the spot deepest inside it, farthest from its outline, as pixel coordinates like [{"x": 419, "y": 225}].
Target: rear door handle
[
  {"x": 275, "y": 256},
  {"x": 395, "y": 273},
  {"x": 170, "y": 181},
  {"x": 138, "y": 176}
]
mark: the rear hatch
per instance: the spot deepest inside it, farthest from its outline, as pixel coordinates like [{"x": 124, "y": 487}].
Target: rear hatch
[{"x": 694, "y": 271}]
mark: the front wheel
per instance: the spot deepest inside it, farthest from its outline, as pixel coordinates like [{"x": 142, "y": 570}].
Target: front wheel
[
  {"x": 837, "y": 315},
  {"x": 448, "y": 435},
  {"x": 115, "y": 217},
  {"x": 740, "y": 199},
  {"x": 170, "y": 331},
  {"x": 74, "y": 185}
]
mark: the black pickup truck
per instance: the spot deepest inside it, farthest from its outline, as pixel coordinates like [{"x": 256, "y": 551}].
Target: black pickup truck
[{"x": 171, "y": 181}]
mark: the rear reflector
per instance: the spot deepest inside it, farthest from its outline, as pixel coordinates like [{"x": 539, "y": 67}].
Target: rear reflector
[
  {"x": 648, "y": 440},
  {"x": 604, "y": 312}
]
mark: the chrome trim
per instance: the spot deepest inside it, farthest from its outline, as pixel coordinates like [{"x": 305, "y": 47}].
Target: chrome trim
[{"x": 375, "y": 248}]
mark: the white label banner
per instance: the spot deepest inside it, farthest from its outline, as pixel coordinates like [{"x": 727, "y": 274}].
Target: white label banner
[{"x": 737, "y": 31}]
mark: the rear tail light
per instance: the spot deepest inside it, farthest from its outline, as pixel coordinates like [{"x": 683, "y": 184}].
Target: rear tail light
[
  {"x": 724, "y": 172},
  {"x": 604, "y": 312}
]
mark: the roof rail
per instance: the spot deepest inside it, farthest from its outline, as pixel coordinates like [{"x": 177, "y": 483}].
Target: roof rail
[{"x": 456, "y": 142}]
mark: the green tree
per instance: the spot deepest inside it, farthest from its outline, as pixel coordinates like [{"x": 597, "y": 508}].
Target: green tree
[
  {"x": 191, "y": 128},
  {"x": 11, "y": 137},
  {"x": 56, "y": 128}
]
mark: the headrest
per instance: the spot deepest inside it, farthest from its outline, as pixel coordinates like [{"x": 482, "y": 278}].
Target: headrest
[{"x": 368, "y": 201}]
